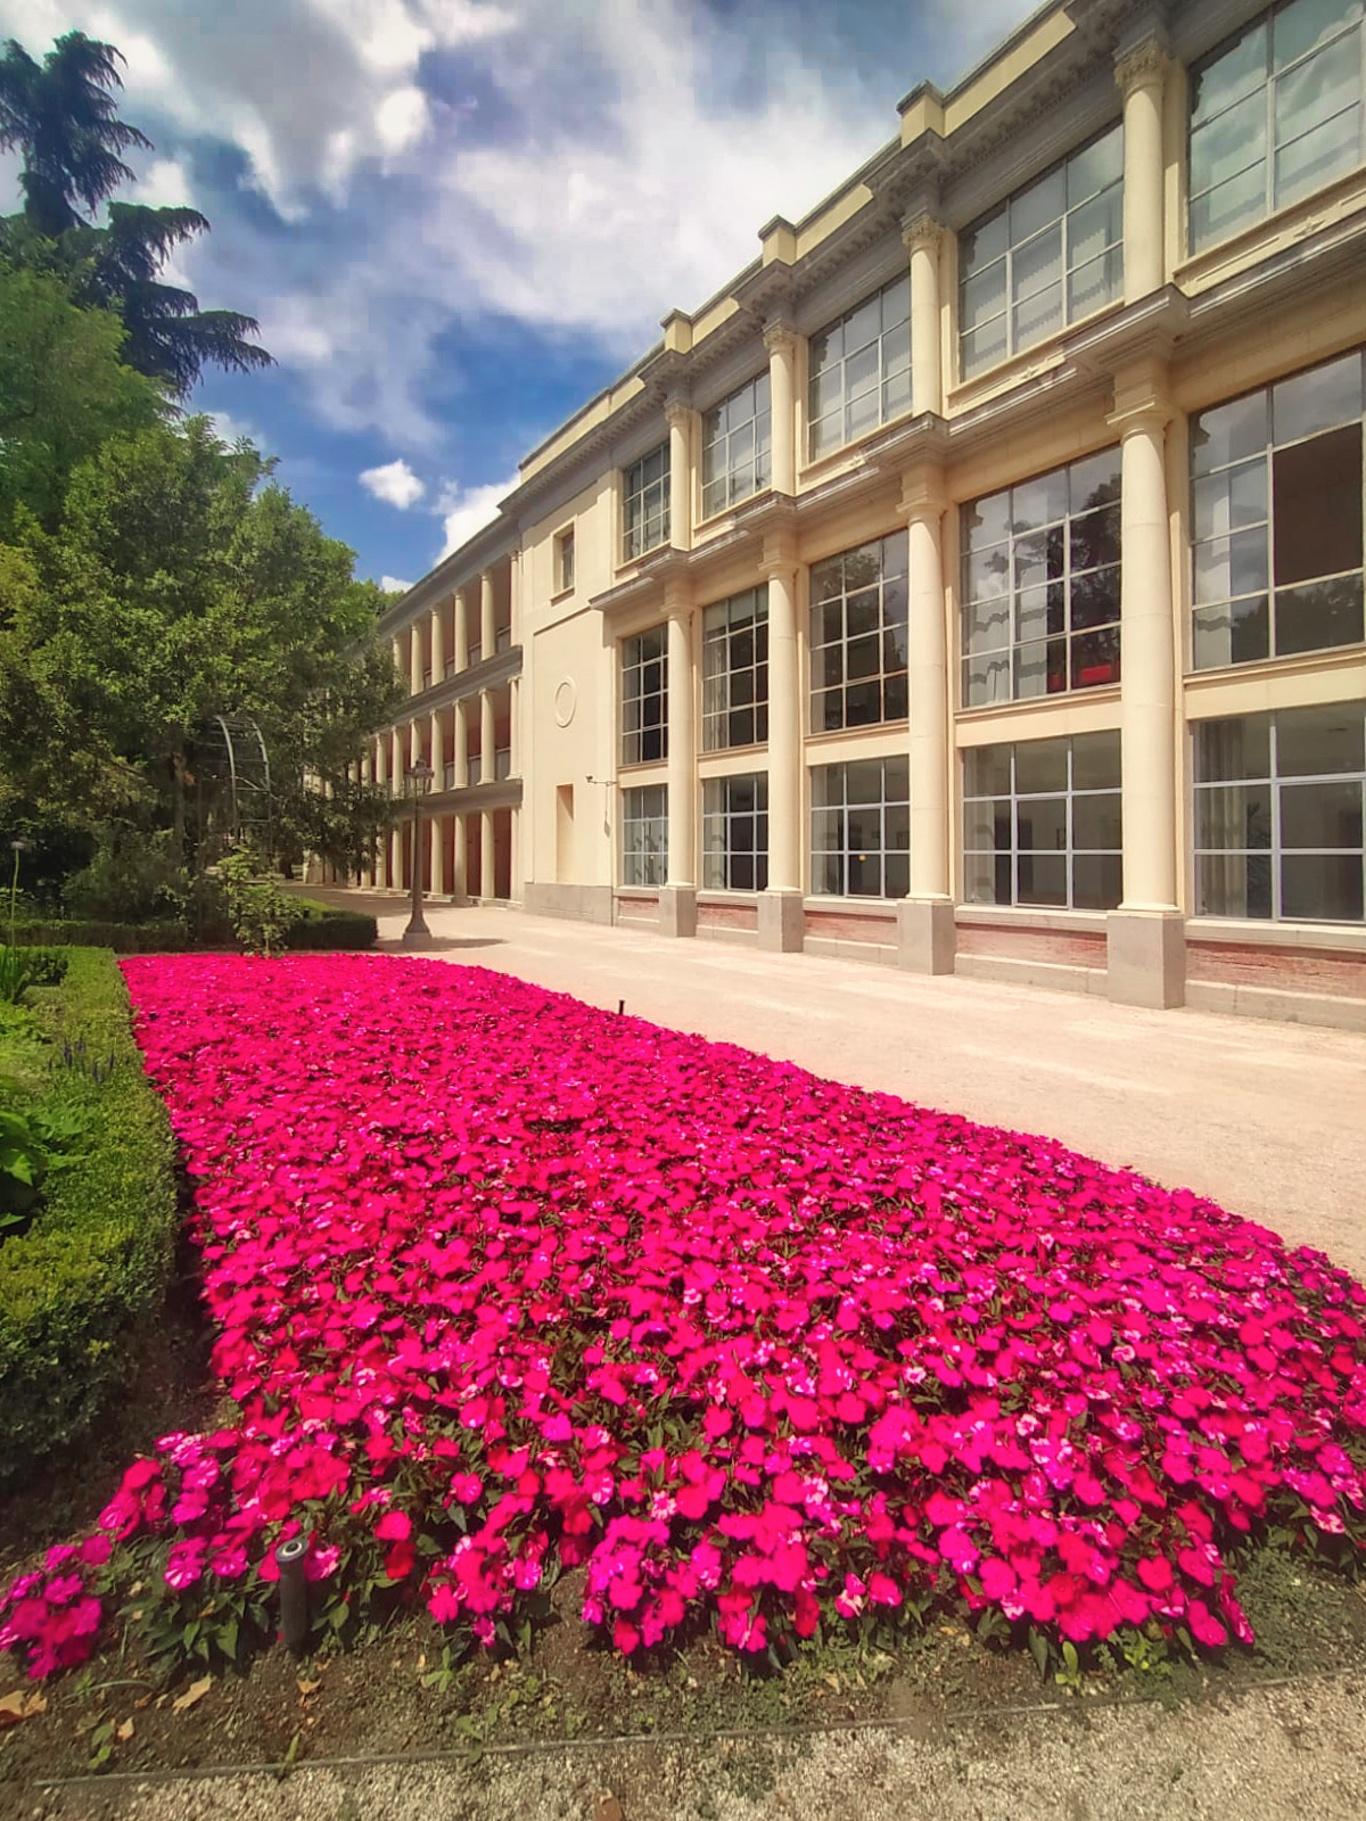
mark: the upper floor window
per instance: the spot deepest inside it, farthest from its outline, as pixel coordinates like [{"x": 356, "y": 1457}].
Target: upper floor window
[
  {"x": 736, "y": 447},
  {"x": 645, "y": 503},
  {"x": 564, "y": 559},
  {"x": 858, "y": 636},
  {"x": 1276, "y": 518},
  {"x": 645, "y": 697},
  {"x": 1042, "y": 823},
  {"x": 1275, "y": 113},
  {"x": 1278, "y": 815},
  {"x": 735, "y": 833},
  {"x": 1046, "y": 257},
  {"x": 1041, "y": 584},
  {"x": 735, "y": 671},
  {"x": 861, "y": 829},
  {"x": 861, "y": 369},
  {"x": 645, "y": 835}
]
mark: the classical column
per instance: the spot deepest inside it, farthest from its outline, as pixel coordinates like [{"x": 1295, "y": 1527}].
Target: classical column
[
  {"x": 458, "y": 866},
  {"x": 781, "y": 341},
  {"x": 487, "y": 736},
  {"x": 679, "y": 416},
  {"x": 438, "y": 643},
  {"x": 414, "y": 659},
  {"x": 487, "y": 637},
  {"x": 462, "y": 630},
  {"x": 923, "y": 238},
  {"x": 486, "y": 855},
  {"x": 414, "y": 742},
  {"x": 678, "y": 899},
  {"x": 396, "y": 761},
  {"x": 438, "y": 828},
  {"x": 1141, "y": 72},
  {"x": 515, "y": 854},
  {"x": 396, "y": 646},
  {"x": 1146, "y": 948},
  {"x": 925, "y": 926},
  {"x": 782, "y": 920},
  {"x": 514, "y": 727},
  {"x": 438, "y": 752}
]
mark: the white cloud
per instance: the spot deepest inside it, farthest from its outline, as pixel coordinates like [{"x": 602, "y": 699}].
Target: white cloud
[
  {"x": 392, "y": 585},
  {"x": 163, "y": 184},
  {"x": 233, "y": 429},
  {"x": 394, "y": 483},
  {"x": 465, "y": 510},
  {"x": 401, "y": 118}
]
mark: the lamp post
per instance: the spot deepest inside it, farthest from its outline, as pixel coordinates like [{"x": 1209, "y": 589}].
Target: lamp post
[{"x": 419, "y": 777}]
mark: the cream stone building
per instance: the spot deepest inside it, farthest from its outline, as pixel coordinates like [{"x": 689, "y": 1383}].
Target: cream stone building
[{"x": 974, "y": 584}]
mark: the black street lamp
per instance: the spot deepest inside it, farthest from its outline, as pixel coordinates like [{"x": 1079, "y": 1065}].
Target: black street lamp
[{"x": 419, "y": 778}]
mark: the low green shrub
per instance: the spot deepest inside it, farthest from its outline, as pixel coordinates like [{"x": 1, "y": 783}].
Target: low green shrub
[
  {"x": 333, "y": 929},
  {"x": 97, "y": 1256},
  {"x": 320, "y": 927}
]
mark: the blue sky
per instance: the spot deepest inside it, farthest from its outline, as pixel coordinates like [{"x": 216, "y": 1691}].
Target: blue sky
[{"x": 456, "y": 219}]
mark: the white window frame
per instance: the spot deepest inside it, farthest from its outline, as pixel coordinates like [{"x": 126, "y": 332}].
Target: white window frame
[
  {"x": 891, "y": 679},
  {"x": 645, "y": 836},
  {"x": 885, "y": 803},
  {"x": 889, "y": 382},
  {"x": 645, "y": 503},
  {"x": 720, "y": 628},
  {"x": 1016, "y": 250},
  {"x": 1269, "y": 86},
  {"x": 1012, "y": 798},
  {"x": 638, "y": 652},
  {"x": 737, "y": 446},
  {"x": 720, "y": 819},
  {"x": 565, "y": 543}
]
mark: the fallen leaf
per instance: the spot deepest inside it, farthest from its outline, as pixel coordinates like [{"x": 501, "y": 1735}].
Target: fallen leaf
[
  {"x": 20, "y": 1705},
  {"x": 195, "y": 1692},
  {"x": 308, "y": 1688},
  {"x": 125, "y": 1731}
]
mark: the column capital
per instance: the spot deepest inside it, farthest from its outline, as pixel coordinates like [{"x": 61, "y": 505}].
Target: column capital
[
  {"x": 1142, "y": 63},
  {"x": 677, "y": 410},
  {"x": 923, "y": 493},
  {"x": 780, "y": 337},
  {"x": 1142, "y": 398},
  {"x": 678, "y": 598},
  {"x": 779, "y": 554},
  {"x": 921, "y": 231}
]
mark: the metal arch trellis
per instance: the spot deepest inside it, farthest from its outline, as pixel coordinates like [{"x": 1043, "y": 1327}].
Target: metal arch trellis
[{"x": 234, "y": 782}]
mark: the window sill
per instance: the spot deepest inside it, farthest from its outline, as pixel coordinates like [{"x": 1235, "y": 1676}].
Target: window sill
[
  {"x": 721, "y": 755},
  {"x": 561, "y": 594},
  {"x": 1034, "y": 916},
  {"x": 1197, "y": 268},
  {"x": 638, "y": 769},
  {"x": 719, "y": 894},
  {"x": 628, "y": 566},
  {"x": 882, "y": 908},
  {"x": 1038, "y": 705},
  {"x": 844, "y": 735},
  {"x": 638, "y": 894},
  {"x": 1263, "y": 933},
  {"x": 717, "y": 520},
  {"x": 1331, "y": 657},
  {"x": 820, "y": 467},
  {"x": 1024, "y": 363}
]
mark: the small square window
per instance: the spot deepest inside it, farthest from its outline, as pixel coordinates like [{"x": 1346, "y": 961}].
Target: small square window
[{"x": 564, "y": 560}]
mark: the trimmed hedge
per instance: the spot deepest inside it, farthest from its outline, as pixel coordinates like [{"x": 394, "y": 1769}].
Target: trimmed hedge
[
  {"x": 317, "y": 926},
  {"x": 97, "y": 1258}
]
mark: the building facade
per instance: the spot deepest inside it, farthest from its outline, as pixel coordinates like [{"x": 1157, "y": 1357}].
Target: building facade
[{"x": 975, "y": 583}]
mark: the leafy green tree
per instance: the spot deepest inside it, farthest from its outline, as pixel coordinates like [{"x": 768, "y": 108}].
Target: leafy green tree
[
  {"x": 182, "y": 582},
  {"x": 64, "y": 388},
  {"x": 61, "y": 116}
]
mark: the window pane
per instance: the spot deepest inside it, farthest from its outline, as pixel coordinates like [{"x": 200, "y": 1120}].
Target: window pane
[
  {"x": 984, "y": 297},
  {"x": 986, "y": 680},
  {"x": 1038, "y": 204},
  {"x": 1231, "y": 565},
  {"x": 1318, "y": 614},
  {"x": 1095, "y": 761},
  {"x": 1321, "y": 399},
  {"x": 1039, "y": 502},
  {"x": 1095, "y": 659},
  {"x": 1043, "y": 878},
  {"x": 1229, "y": 145},
  {"x": 1233, "y": 816},
  {"x": 1316, "y": 158},
  {"x": 1233, "y": 749},
  {"x": 1230, "y": 433},
  {"x": 1037, "y": 264},
  {"x": 1229, "y": 206},
  {"x": 1318, "y": 88},
  {"x": 1096, "y": 821},
  {"x": 1094, "y": 481},
  {"x": 1236, "y": 71},
  {"x": 984, "y": 242},
  {"x": 985, "y": 346},
  {"x": 987, "y": 521},
  {"x": 1095, "y": 599},
  {"x": 986, "y": 879},
  {"x": 1095, "y": 284},
  {"x": 1321, "y": 815},
  {"x": 986, "y": 824},
  {"x": 1230, "y": 500},
  {"x": 1095, "y": 226},
  {"x": 1095, "y": 539},
  {"x": 1233, "y": 885},
  {"x": 1316, "y": 490},
  {"x": 1320, "y": 741},
  {"x": 1297, "y": 28},
  {"x": 1095, "y": 166},
  {"x": 1322, "y": 887},
  {"x": 986, "y": 770},
  {"x": 1040, "y": 765},
  {"x": 1097, "y": 881},
  {"x": 1037, "y": 316},
  {"x": 1238, "y": 633}
]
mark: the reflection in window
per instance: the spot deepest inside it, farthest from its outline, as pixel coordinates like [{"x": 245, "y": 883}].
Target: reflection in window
[
  {"x": 858, "y": 636},
  {"x": 735, "y": 833},
  {"x": 860, "y": 369},
  {"x": 1276, "y": 518},
  {"x": 736, "y": 447},
  {"x": 644, "y": 697},
  {"x": 1042, "y": 823},
  {"x": 735, "y": 671},
  {"x": 1041, "y": 585},
  {"x": 1279, "y": 813},
  {"x": 1050, "y": 255},
  {"x": 861, "y": 829},
  {"x": 645, "y": 835},
  {"x": 1275, "y": 113}
]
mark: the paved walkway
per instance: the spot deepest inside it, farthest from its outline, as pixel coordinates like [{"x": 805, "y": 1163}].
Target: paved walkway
[{"x": 1269, "y": 1119}]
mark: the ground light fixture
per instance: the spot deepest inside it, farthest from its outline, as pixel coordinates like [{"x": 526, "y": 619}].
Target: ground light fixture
[
  {"x": 419, "y": 779},
  {"x": 289, "y": 1559}
]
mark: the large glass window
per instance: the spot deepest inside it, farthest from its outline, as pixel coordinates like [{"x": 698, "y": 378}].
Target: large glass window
[
  {"x": 645, "y": 835},
  {"x": 858, "y": 636},
  {"x": 1041, "y": 585},
  {"x": 736, "y": 447},
  {"x": 735, "y": 671},
  {"x": 1276, "y": 518},
  {"x": 1278, "y": 815},
  {"x": 735, "y": 833},
  {"x": 860, "y": 369},
  {"x": 861, "y": 829},
  {"x": 644, "y": 697},
  {"x": 1042, "y": 825},
  {"x": 1051, "y": 254},
  {"x": 645, "y": 503},
  {"x": 1275, "y": 113}
]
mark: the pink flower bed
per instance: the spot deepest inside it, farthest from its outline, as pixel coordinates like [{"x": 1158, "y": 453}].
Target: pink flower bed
[{"x": 504, "y": 1285}]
